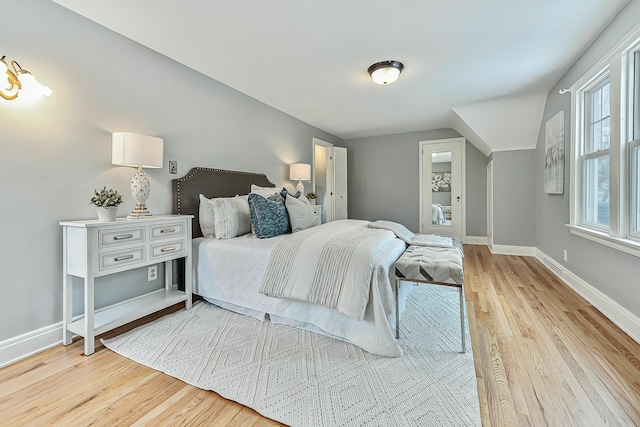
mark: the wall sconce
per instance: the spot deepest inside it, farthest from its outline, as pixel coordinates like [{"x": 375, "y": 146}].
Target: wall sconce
[
  {"x": 141, "y": 151},
  {"x": 385, "y": 72},
  {"x": 19, "y": 82},
  {"x": 300, "y": 171}
]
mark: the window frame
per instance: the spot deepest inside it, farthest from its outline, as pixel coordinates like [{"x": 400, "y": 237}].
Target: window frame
[{"x": 621, "y": 67}]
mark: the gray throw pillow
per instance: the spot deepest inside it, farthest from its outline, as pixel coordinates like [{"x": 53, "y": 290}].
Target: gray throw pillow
[{"x": 301, "y": 215}]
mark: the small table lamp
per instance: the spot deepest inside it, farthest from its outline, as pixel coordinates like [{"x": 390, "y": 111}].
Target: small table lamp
[
  {"x": 141, "y": 151},
  {"x": 300, "y": 171}
]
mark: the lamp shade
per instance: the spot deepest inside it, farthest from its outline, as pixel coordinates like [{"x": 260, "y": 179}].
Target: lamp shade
[
  {"x": 300, "y": 171},
  {"x": 135, "y": 149}
]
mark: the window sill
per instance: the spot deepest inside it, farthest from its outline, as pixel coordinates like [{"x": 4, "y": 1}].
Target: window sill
[{"x": 630, "y": 247}]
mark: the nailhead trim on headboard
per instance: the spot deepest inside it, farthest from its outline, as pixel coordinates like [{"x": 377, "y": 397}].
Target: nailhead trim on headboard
[{"x": 212, "y": 183}]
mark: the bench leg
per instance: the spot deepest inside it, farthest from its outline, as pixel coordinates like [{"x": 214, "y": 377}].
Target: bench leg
[
  {"x": 397, "y": 308},
  {"x": 462, "y": 328}
]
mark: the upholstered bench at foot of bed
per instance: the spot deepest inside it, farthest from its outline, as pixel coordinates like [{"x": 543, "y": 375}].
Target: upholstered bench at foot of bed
[{"x": 432, "y": 266}]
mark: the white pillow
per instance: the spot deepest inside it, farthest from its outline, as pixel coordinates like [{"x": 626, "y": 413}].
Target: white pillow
[
  {"x": 231, "y": 216},
  {"x": 263, "y": 191},
  {"x": 301, "y": 215},
  {"x": 205, "y": 217},
  {"x": 304, "y": 199}
]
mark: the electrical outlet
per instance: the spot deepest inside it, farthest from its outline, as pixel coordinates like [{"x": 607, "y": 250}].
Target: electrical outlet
[
  {"x": 173, "y": 166},
  {"x": 152, "y": 273},
  {"x": 565, "y": 255}
]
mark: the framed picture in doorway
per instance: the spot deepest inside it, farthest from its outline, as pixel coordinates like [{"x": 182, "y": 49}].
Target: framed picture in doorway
[
  {"x": 554, "y": 154},
  {"x": 441, "y": 181}
]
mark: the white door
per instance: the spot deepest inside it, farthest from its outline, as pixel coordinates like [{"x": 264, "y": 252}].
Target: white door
[
  {"x": 340, "y": 183},
  {"x": 442, "y": 203}
]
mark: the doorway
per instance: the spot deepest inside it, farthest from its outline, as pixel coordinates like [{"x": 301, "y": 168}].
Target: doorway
[
  {"x": 442, "y": 201},
  {"x": 321, "y": 184}
]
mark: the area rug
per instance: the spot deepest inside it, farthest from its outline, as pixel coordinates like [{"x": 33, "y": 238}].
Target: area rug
[{"x": 300, "y": 378}]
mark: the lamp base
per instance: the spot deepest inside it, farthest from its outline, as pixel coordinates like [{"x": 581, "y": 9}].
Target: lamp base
[
  {"x": 140, "y": 189},
  {"x": 140, "y": 211},
  {"x": 300, "y": 187}
]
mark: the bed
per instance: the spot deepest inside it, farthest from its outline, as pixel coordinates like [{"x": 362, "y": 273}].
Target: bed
[{"x": 230, "y": 272}]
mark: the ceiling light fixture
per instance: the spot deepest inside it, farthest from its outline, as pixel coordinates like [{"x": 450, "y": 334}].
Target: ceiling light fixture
[
  {"x": 19, "y": 82},
  {"x": 385, "y": 72}
]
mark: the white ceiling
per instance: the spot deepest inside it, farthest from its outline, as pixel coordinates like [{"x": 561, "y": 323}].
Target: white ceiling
[{"x": 472, "y": 65}]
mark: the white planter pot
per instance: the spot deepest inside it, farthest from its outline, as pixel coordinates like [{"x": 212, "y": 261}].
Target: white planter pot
[{"x": 107, "y": 214}]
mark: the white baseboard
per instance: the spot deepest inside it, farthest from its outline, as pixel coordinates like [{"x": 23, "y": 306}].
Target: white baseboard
[
  {"x": 512, "y": 250},
  {"x": 475, "y": 240},
  {"x": 619, "y": 315},
  {"x": 26, "y": 345}
]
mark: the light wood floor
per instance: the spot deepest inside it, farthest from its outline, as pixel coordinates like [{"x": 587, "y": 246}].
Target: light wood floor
[{"x": 543, "y": 357}]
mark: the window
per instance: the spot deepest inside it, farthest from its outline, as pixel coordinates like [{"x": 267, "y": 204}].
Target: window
[
  {"x": 634, "y": 142},
  {"x": 605, "y": 168},
  {"x": 596, "y": 143}
]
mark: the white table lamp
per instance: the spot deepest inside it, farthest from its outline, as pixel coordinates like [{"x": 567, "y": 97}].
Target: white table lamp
[
  {"x": 300, "y": 171},
  {"x": 141, "y": 151}
]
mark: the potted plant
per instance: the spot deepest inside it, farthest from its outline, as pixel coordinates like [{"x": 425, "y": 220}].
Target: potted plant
[
  {"x": 312, "y": 197},
  {"x": 106, "y": 202}
]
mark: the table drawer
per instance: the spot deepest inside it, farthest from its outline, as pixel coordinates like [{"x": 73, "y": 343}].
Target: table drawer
[
  {"x": 168, "y": 249},
  {"x": 117, "y": 259},
  {"x": 167, "y": 230},
  {"x": 120, "y": 236}
]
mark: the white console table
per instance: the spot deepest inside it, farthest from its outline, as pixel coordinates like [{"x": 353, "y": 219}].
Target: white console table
[{"x": 92, "y": 249}]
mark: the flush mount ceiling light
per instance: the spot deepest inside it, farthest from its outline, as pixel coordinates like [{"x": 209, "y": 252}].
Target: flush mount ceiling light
[
  {"x": 19, "y": 82},
  {"x": 385, "y": 72}
]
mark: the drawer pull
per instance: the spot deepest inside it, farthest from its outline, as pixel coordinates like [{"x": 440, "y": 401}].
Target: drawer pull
[
  {"x": 123, "y": 237},
  {"x": 122, "y": 258},
  {"x": 168, "y": 230},
  {"x": 169, "y": 249}
]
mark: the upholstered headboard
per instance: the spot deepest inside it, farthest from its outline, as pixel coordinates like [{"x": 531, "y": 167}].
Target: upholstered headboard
[{"x": 211, "y": 183}]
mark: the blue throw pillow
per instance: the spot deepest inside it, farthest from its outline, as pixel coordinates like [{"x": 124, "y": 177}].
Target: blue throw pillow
[
  {"x": 269, "y": 218},
  {"x": 284, "y": 193}
]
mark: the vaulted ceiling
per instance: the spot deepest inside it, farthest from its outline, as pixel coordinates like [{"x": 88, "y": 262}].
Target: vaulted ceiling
[{"x": 483, "y": 68}]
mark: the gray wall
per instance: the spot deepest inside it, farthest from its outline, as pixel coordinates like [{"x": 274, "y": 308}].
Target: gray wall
[
  {"x": 514, "y": 198},
  {"x": 610, "y": 271},
  {"x": 476, "y": 189},
  {"x": 384, "y": 179},
  {"x": 55, "y": 152}
]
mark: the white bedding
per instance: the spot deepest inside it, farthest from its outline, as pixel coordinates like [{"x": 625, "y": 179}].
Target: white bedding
[
  {"x": 332, "y": 266},
  {"x": 229, "y": 273}
]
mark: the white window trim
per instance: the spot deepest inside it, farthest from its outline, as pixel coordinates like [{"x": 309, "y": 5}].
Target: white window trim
[
  {"x": 625, "y": 245},
  {"x": 634, "y": 191},
  {"x": 615, "y": 65}
]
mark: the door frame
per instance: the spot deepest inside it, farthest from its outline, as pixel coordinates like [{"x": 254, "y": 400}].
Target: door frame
[
  {"x": 328, "y": 206},
  {"x": 461, "y": 142}
]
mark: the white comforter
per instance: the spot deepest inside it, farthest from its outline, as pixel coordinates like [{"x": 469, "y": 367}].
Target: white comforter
[
  {"x": 331, "y": 265},
  {"x": 230, "y": 272}
]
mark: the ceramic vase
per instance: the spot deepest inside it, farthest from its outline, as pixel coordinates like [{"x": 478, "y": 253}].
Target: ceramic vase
[{"x": 107, "y": 214}]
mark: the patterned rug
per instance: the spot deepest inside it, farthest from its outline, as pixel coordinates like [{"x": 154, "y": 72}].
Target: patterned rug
[{"x": 304, "y": 379}]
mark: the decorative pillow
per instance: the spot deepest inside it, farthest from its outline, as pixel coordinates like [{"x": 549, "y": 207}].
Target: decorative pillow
[
  {"x": 399, "y": 230},
  {"x": 231, "y": 216},
  {"x": 298, "y": 196},
  {"x": 263, "y": 191},
  {"x": 268, "y": 218},
  {"x": 205, "y": 217},
  {"x": 301, "y": 215}
]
